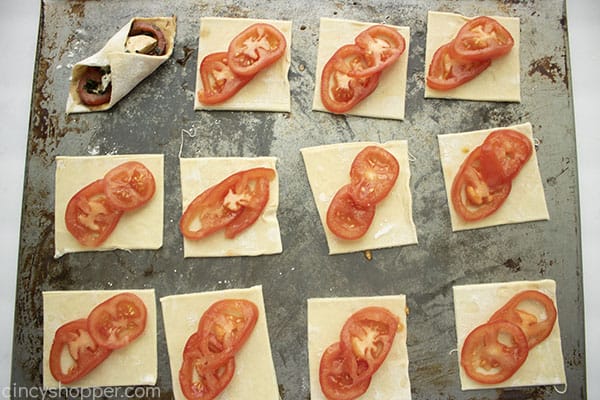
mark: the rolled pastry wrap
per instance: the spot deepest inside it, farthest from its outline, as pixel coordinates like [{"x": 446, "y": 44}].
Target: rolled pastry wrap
[{"x": 127, "y": 69}]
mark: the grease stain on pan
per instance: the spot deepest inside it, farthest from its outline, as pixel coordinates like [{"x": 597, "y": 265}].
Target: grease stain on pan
[{"x": 547, "y": 68}]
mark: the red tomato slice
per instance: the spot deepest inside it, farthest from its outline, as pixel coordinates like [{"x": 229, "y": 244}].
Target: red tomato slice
[
  {"x": 493, "y": 352},
  {"x": 219, "y": 82},
  {"x": 368, "y": 334},
  {"x": 85, "y": 353},
  {"x": 536, "y": 326},
  {"x": 129, "y": 185},
  {"x": 90, "y": 88},
  {"x": 224, "y": 328},
  {"x": 90, "y": 216},
  {"x": 255, "y": 48},
  {"x": 382, "y": 46},
  {"x": 481, "y": 39},
  {"x": 471, "y": 197},
  {"x": 146, "y": 28},
  {"x": 221, "y": 204},
  {"x": 447, "y": 72},
  {"x": 197, "y": 381},
  {"x": 117, "y": 321},
  {"x": 345, "y": 218},
  {"x": 339, "y": 90},
  {"x": 334, "y": 377},
  {"x": 503, "y": 154},
  {"x": 373, "y": 174}
]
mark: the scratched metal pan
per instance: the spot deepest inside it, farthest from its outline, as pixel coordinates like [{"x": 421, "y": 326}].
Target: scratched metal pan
[{"x": 153, "y": 116}]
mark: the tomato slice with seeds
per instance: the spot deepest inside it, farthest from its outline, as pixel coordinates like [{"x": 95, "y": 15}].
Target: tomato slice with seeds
[
  {"x": 91, "y": 89},
  {"x": 255, "y": 48},
  {"x": 84, "y": 352},
  {"x": 340, "y": 91},
  {"x": 368, "y": 334},
  {"x": 219, "y": 82},
  {"x": 199, "y": 381},
  {"x": 447, "y": 72},
  {"x": 471, "y": 196},
  {"x": 222, "y": 204},
  {"x": 117, "y": 321},
  {"x": 345, "y": 218},
  {"x": 533, "y": 312},
  {"x": 503, "y": 153},
  {"x": 90, "y": 217},
  {"x": 129, "y": 186},
  {"x": 139, "y": 27},
  {"x": 482, "y": 38},
  {"x": 335, "y": 378},
  {"x": 382, "y": 46},
  {"x": 373, "y": 174},
  {"x": 224, "y": 328},
  {"x": 493, "y": 352}
]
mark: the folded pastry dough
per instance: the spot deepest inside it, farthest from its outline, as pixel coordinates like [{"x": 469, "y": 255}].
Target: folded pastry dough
[
  {"x": 526, "y": 201},
  {"x": 134, "y": 364},
  {"x": 475, "y": 304},
  {"x": 138, "y": 229},
  {"x": 328, "y": 169},
  {"x": 127, "y": 69},
  {"x": 326, "y": 316},
  {"x": 501, "y": 81},
  {"x": 269, "y": 90},
  {"x": 263, "y": 237},
  {"x": 388, "y": 100},
  {"x": 254, "y": 377}
]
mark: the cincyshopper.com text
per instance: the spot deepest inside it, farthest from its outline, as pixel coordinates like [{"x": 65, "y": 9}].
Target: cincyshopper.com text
[{"x": 67, "y": 393}]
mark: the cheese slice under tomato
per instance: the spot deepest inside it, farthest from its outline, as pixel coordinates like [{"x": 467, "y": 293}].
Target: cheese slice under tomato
[
  {"x": 326, "y": 317},
  {"x": 254, "y": 377},
  {"x": 475, "y": 304},
  {"x": 132, "y": 365}
]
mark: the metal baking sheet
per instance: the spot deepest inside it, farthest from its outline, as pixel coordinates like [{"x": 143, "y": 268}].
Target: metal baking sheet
[{"x": 158, "y": 117}]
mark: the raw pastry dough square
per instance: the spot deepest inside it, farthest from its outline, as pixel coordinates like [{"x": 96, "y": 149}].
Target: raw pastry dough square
[
  {"x": 138, "y": 229},
  {"x": 475, "y": 304},
  {"x": 127, "y": 69},
  {"x": 501, "y": 81},
  {"x": 526, "y": 201},
  {"x": 325, "y": 320},
  {"x": 388, "y": 100},
  {"x": 269, "y": 90},
  {"x": 254, "y": 377},
  {"x": 135, "y": 364},
  {"x": 328, "y": 169},
  {"x": 263, "y": 237}
]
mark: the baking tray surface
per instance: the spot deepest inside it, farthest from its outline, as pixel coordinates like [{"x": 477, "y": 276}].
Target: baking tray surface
[{"x": 158, "y": 117}]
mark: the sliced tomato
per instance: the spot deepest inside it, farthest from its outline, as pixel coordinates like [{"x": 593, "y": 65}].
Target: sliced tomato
[
  {"x": 335, "y": 378},
  {"x": 480, "y": 39},
  {"x": 493, "y": 352},
  {"x": 368, "y": 334},
  {"x": 221, "y": 204},
  {"x": 91, "y": 90},
  {"x": 84, "y": 352},
  {"x": 345, "y": 218},
  {"x": 373, "y": 174},
  {"x": 139, "y": 27},
  {"x": 447, "y": 72},
  {"x": 117, "y": 321},
  {"x": 90, "y": 216},
  {"x": 197, "y": 381},
  {"x": 129, "y": 185},
  {"x": 339, "y": 90},
  {"x": 533, "y": 312},
  {"x": 219, "y": 82},
  {"x": 382, "y": 46},
  {"x": 255, "y": 48},
  {"x": 224, "y": 328},
  {"x": 503, "y": 154},
  {"x": 471, "y": 196}
]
